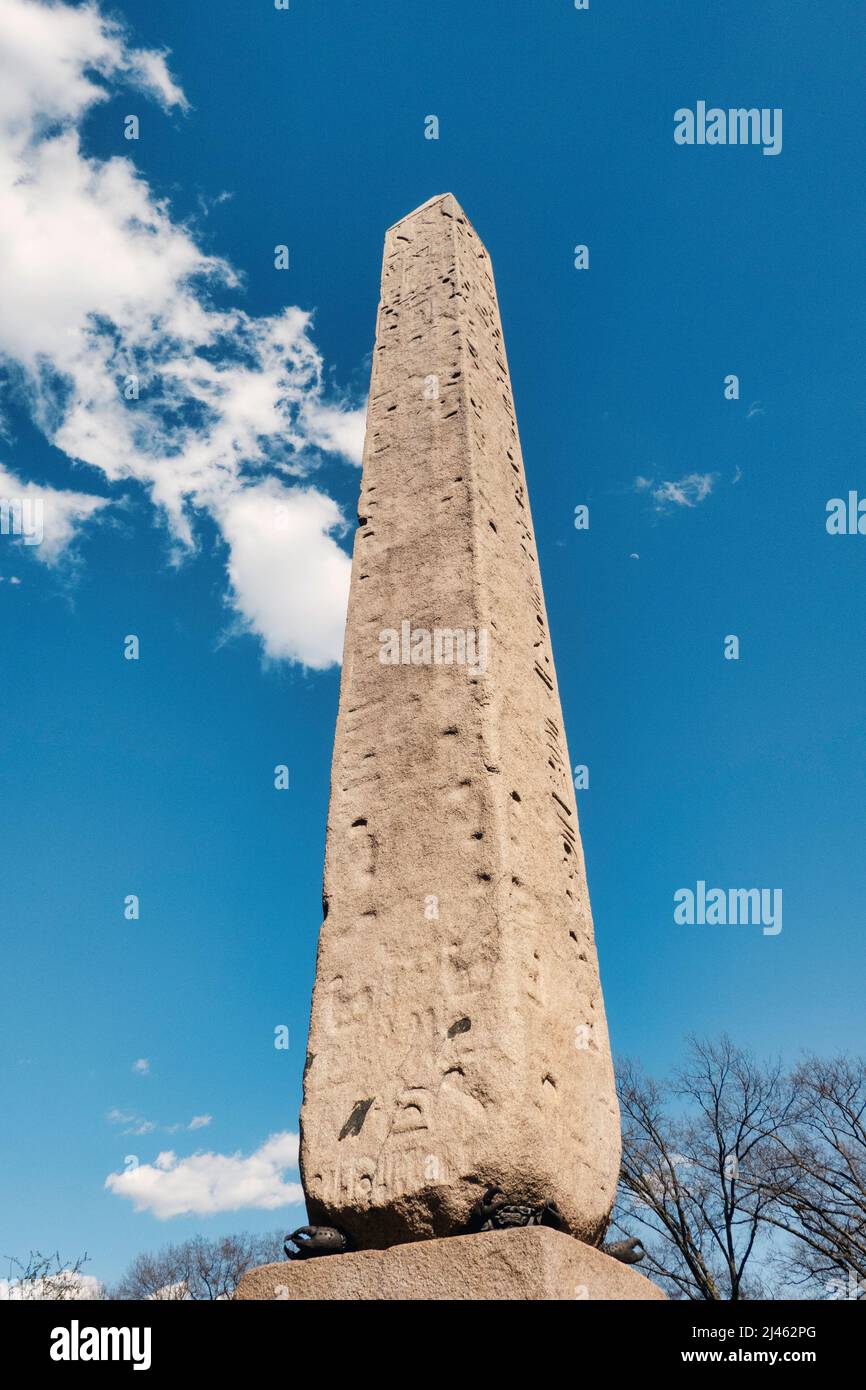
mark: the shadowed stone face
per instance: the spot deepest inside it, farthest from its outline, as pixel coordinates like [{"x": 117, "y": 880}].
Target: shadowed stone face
[{"x": 458, "y": 1035}]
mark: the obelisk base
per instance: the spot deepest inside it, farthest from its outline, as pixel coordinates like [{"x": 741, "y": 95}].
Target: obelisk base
[{"x": 526, "y": 1264}]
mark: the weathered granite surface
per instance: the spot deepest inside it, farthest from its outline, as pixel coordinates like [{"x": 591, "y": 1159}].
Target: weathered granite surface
[
  {"x": 458, "y": 1033},
  {"x": 530, "y": 1263}
]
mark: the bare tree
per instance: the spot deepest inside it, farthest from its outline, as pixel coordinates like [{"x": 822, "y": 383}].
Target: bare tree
[
  {"x": 197, "y": 1270},
  {"x": 696, "y": 1156},
  {"x": 49, "y": 1278},
  {"x": 161, "y": 1276},
  {"x": 818, "y": 1177},
  {"x": 216, "y": 1266}
]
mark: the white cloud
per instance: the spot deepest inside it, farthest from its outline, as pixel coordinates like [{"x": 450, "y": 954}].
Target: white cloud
[
  {"x": 289, "y": 577},
  {"x": 206, "y": 1183},
  {"x": 200, "y": 1121},
  {"x": 141, "y": 1067},
  {"x": 150, "y": 70},
  {"x": 64, "y": 1284},
  {"x": 50, "y": 529},
  {"x": 686, "y": 492},
  {"x": 51, "y": 54},
  {"x": 170, "y": 1293},
  {"x": 124, "y": 361},
  {"x": 335, "y": 429}
]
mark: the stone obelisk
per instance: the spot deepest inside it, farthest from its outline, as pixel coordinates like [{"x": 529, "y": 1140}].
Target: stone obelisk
[{"x": 458, "y": 1035}]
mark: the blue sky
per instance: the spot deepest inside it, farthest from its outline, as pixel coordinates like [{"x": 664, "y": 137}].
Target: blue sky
[{"x": 155, "y": 777}]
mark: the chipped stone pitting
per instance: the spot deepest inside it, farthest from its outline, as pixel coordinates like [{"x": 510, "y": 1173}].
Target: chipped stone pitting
[
  {"x": 461, "y": 1026},
  {"x": 459, "y": 1037},
  {"x": 355, "y": 1122}
]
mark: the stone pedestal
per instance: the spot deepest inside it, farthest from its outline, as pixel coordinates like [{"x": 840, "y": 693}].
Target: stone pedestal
[{"x": 528, "y": 1264}]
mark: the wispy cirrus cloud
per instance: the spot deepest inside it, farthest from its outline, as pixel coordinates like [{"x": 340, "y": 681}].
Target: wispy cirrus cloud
[
  {"x": 127, "y": 365},
  {"x": 687, "y": 491},
  {"x": 137, "y": 1124},
  {"x": 119, "y": 1117},
  {"x": 197, "y": 1122},
  {"x": 140, "y": 1127}
]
